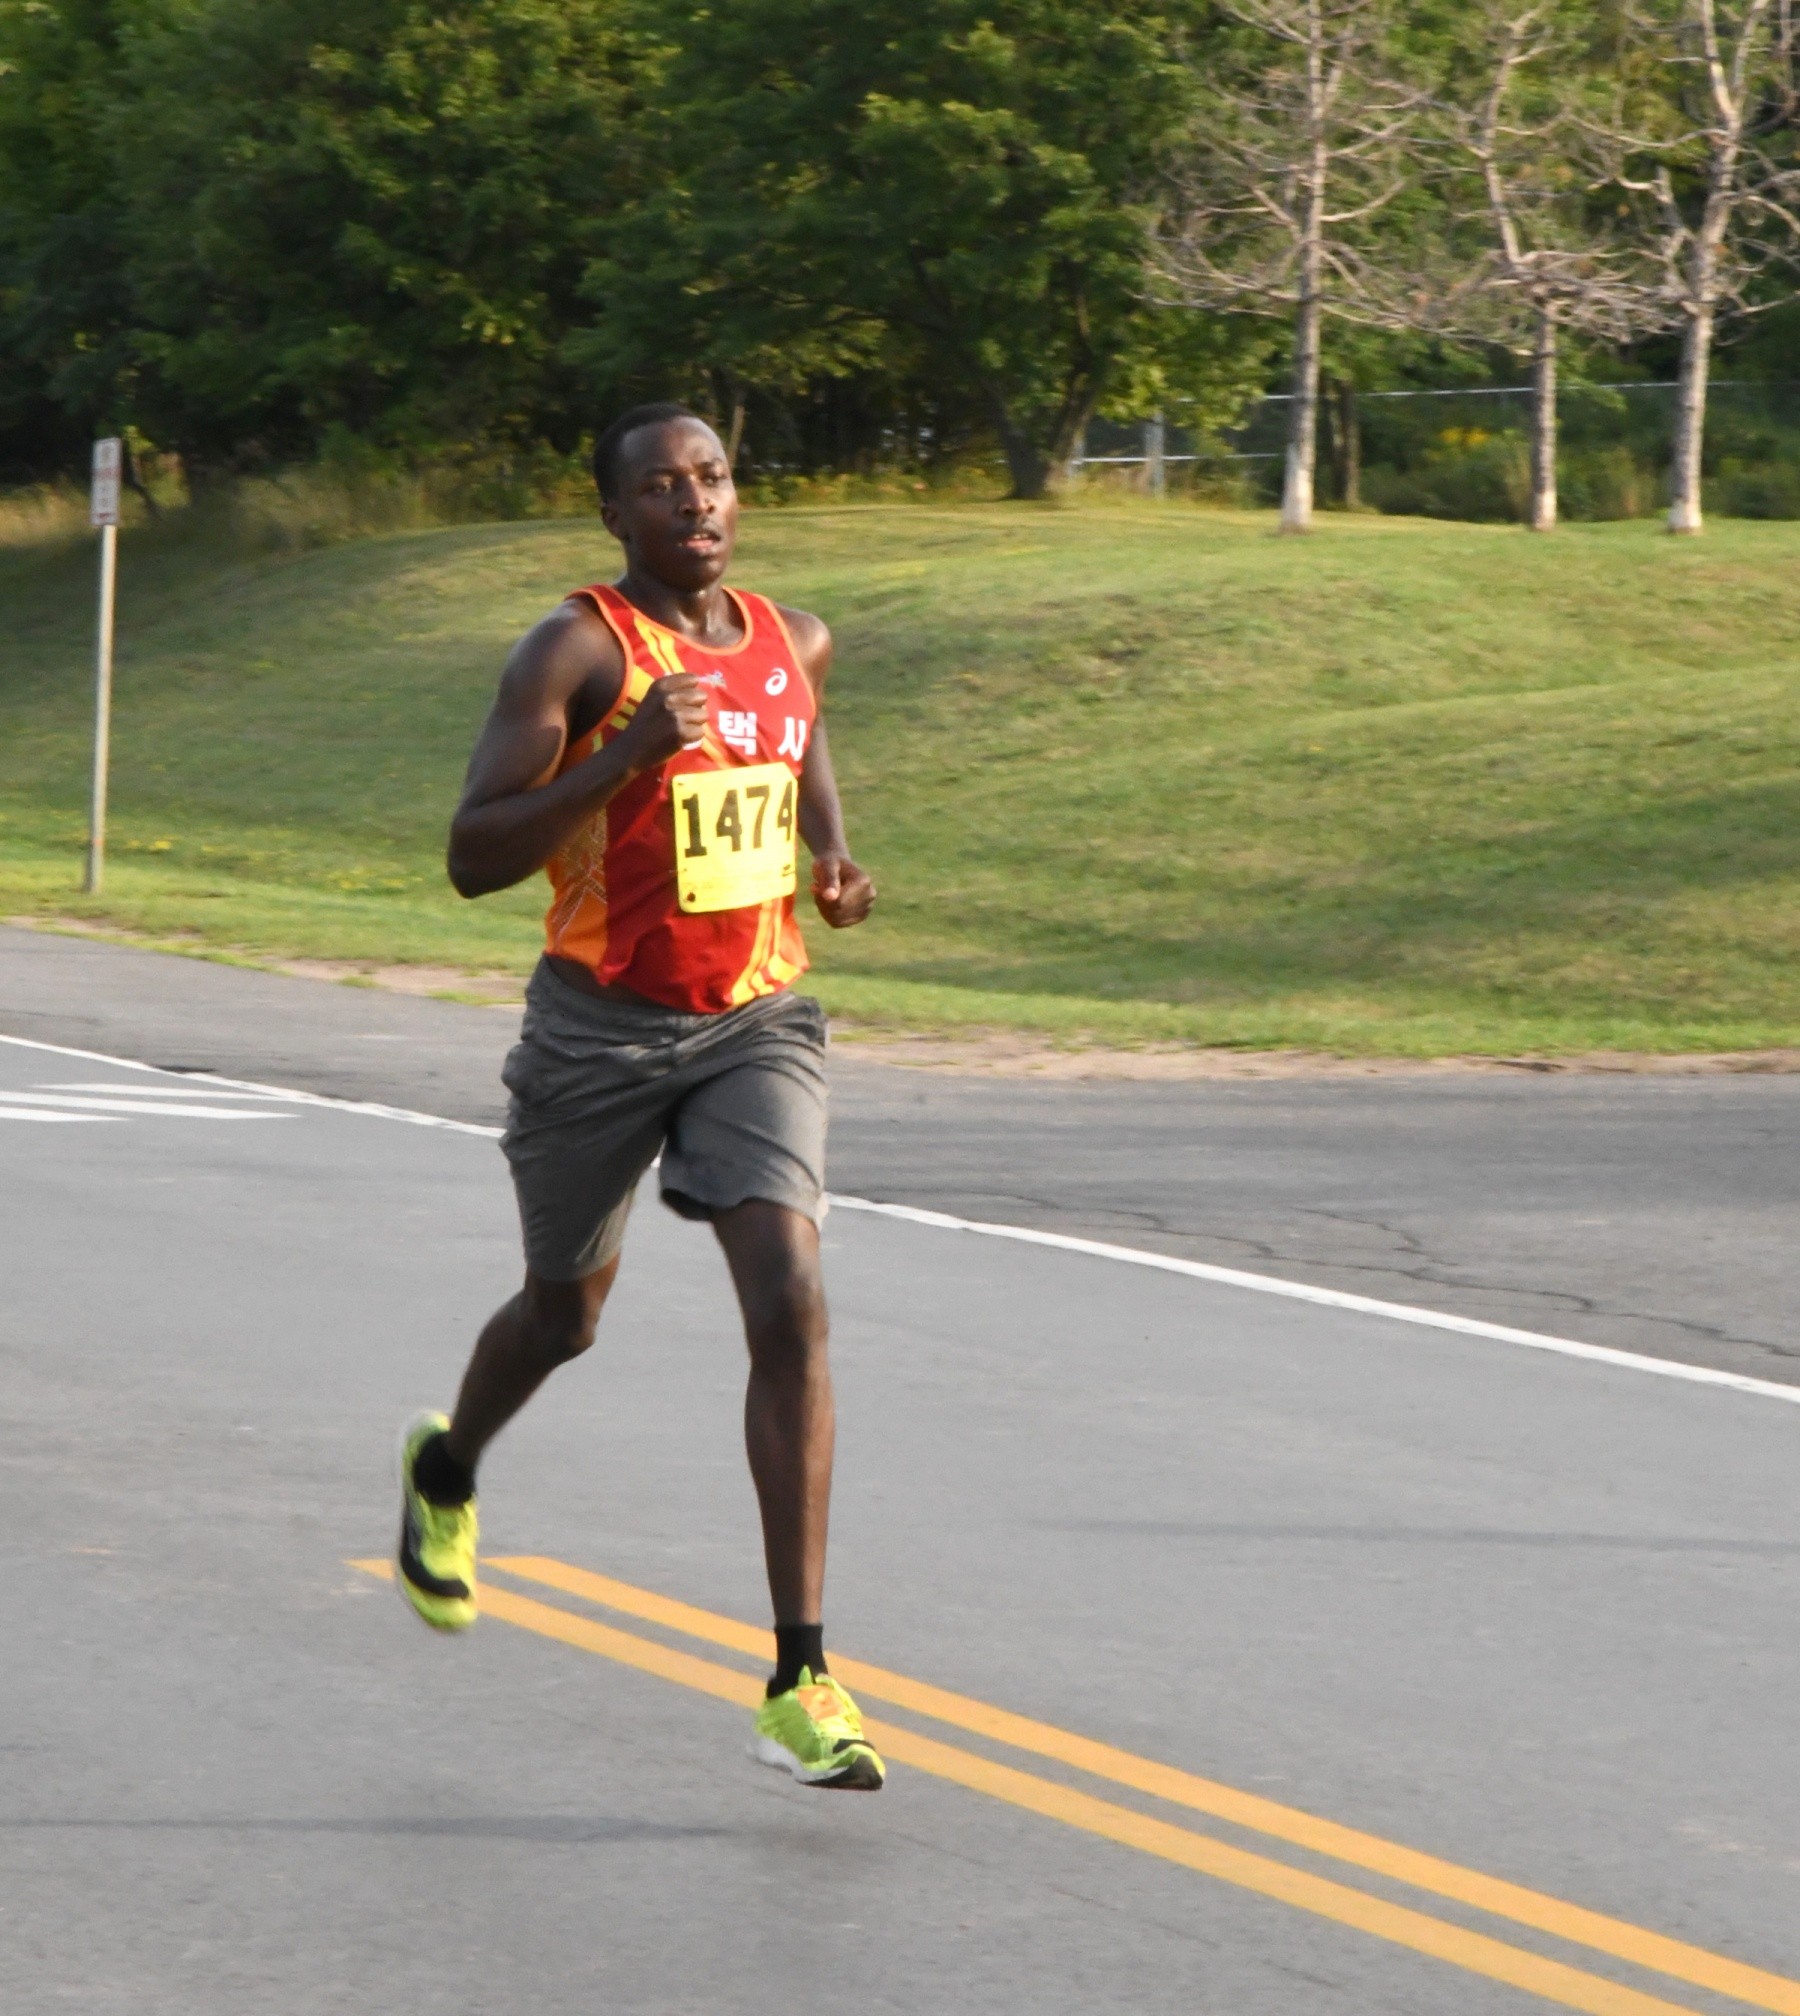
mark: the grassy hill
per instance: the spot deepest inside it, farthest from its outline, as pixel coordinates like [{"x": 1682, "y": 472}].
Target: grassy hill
[{"x": 1128, "y": 769}]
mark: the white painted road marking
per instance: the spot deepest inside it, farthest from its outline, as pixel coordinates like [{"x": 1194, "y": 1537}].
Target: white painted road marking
[
  {"x": 66, "y": 1119},
  {"x": 1134, "y": 1256},
  {"x": 205, "y": 1081},
  {"x": 114, "y": 1090},
  {"x": 139, "y": 1109}
]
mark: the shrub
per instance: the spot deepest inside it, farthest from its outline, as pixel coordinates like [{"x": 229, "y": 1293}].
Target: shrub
[
  {"x": 1608, "y": 482},
  {"x": 1467, "y": 474},
  {"x": 1772, "y": 491}
]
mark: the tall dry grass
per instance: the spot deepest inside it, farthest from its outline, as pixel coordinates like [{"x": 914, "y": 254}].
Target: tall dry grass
[{"x": 41, "y": 515}]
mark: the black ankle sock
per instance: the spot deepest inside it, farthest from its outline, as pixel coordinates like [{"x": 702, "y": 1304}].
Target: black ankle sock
[
  {"x": 796, "y": 1645},
  {"x": 439, "y": 1476}
]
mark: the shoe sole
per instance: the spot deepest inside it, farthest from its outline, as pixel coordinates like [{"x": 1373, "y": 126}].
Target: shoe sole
[
  {"x": 861, "y": 1771},
  {"x": 443, "y": 1628}
]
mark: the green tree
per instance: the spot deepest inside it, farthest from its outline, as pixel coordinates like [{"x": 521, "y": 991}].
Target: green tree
[
  {"x": 951, "y": 189},
  {"x": 363, "y": 214},
  {"x": 65, "y": 353}
]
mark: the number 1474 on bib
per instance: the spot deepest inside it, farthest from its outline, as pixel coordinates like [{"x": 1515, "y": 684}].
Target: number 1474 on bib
[{"x": 734, "y": 836}]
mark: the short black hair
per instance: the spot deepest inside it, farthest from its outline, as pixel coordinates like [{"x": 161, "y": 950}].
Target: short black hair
[{"x": 610, "y": 448}]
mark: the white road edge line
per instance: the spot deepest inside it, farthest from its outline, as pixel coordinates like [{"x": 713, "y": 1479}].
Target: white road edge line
[
  {"x": 203, "y": 1079},
  {"x": 1098, "y": 1249},
  {"x": 1338, "y": 1298}
]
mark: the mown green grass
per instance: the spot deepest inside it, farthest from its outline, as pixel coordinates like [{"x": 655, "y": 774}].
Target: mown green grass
[{"x": 1133, "y": 771}]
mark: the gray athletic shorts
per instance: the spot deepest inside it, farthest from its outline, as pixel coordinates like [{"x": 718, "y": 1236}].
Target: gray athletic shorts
[{"x": 735, "y": 1102}]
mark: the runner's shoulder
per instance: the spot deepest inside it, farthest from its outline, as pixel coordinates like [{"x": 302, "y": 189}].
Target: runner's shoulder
[
  {"x": 812, "y": 642},
  {"x": 571, "y": 648}
]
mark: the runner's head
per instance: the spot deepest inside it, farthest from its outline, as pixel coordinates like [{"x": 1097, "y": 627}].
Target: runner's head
[{"x": 666, "y": 495}]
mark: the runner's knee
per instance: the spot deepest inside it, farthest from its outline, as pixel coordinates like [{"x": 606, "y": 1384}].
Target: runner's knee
[
  {"x": 784, "y": 1316},
  {"x": 558, "y": 1318},
  {"x": 774, "y": 1256}
]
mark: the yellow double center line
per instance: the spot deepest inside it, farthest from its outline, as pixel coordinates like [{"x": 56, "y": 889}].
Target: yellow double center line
[{"x": 1475, "y": 1952}]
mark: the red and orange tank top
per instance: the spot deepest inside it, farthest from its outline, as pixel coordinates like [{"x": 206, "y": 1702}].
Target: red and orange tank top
[{"x": 681, "y": 887}]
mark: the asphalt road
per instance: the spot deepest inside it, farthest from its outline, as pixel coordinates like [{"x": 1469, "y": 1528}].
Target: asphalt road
[
  {"x": 1650, "y": 1214},
  {"x": 1531, "y": 1616}
]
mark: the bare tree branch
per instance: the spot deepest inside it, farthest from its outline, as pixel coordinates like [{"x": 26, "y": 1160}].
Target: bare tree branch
[
  {"x": 1554, "y": 265},
  {"x": 1709, "y": 187},
  {"x": 1268, "y": 207}
]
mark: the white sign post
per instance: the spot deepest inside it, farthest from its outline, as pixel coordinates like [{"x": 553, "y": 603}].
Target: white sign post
[{"x": 103, "y": 513}]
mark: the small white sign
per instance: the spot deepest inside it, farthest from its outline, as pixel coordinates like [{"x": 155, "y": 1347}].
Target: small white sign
[{"x": 103, "y": 498}]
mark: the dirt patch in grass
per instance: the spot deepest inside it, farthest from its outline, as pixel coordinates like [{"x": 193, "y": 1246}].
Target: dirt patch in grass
[
  {"x": 1004, "y": 1053},
  {"x": 442, "y": 983},
  {"x": 992, "y": 1053}
]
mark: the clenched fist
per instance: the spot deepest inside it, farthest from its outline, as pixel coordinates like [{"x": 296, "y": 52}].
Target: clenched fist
[
  {"x": 670, "y": 718},
  {"x": 841, "y": 890}
]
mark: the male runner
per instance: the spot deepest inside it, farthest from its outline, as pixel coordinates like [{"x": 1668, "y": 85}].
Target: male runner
[{"x": 657, "y": 745}]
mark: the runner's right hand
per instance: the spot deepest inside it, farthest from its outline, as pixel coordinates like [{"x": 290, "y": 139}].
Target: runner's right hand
[{"x": 670, "y": 718}]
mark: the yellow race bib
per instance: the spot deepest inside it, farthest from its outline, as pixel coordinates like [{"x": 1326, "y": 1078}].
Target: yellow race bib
[{"x": 734, "y": 836}]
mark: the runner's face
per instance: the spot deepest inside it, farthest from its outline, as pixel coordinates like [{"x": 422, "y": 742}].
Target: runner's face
[{"x": 676, "y": 511}]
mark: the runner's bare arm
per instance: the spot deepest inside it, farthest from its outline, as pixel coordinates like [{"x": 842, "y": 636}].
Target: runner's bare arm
[
  {"x": 562, "y": 677},
  {"x": 841, "y": 890}
]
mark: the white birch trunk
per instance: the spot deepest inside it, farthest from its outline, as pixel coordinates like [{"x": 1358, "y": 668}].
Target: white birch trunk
[
  {"x": 1543, "y": 424},
  {"x": 1690, "y": 422},
  {"x": 1303, "y": 414},
  {"x": 1696, "y": 346},
  {"x": 1732, "y": 90},
  {"x": 1303, "y": 419}
]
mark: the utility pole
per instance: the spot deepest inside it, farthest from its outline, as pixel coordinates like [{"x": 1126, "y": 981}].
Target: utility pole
[{"x": 103, "y": 513}]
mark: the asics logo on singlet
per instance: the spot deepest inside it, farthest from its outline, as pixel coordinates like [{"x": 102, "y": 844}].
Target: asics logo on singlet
[{"x": 777, "y": 682}]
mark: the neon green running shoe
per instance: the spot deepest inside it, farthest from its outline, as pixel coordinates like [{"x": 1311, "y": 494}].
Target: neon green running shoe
[
  {"x": 436, "y": 1557},
  {"x": 815, "y": 1733}
]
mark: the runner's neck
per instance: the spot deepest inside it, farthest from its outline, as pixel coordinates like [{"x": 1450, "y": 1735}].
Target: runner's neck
[{"x": 705, "y": 616}]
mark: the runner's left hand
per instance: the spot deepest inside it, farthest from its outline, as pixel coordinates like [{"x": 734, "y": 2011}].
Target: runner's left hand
[{"x": 843, "y": 892}]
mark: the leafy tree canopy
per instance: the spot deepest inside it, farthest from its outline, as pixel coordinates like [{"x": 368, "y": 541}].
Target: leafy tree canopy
[{"x": 955, "y": 188}]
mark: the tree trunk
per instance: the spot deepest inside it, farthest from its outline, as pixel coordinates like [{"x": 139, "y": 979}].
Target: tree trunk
[
  {"x": 734, "y": 437},
  {"x": 1350, "y": 445},
  {"x": 1026, "y": 463},
  {"x": 1690, "y": 421},
  {"x": 1330, "y": 459},
  {"x": 1543, "y": 424},
  {"x": 1029, "y": 471},
  {"x": 1068, "y": 444},
  {"x": 1303, "y": 412},
  {"x": 134, "y": 481}
]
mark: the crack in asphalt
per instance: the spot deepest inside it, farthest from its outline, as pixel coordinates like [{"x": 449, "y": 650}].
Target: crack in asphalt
[
  {"x": 1431, "y": 1273},
  {"x": 1450, "y": 1276}
]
